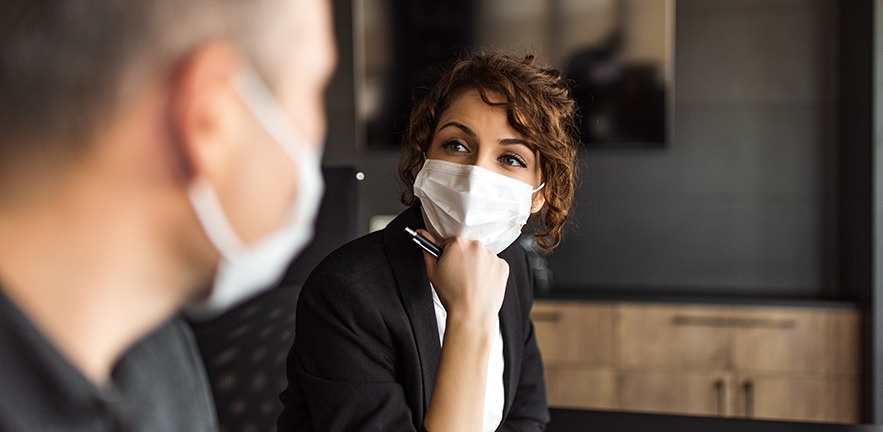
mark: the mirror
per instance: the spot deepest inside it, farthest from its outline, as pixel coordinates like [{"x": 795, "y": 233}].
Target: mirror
[{"x": 618, "y": 54}]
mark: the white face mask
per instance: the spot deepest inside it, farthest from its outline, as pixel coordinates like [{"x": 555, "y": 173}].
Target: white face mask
[
  {"x": 247, "y": 269},
  {"x": 467, "y": 200}
]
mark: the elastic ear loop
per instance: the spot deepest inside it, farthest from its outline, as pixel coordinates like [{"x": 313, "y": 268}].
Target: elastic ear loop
[
  {"x": 540, "y": 187},
  {"x": 258, "y": 98}
]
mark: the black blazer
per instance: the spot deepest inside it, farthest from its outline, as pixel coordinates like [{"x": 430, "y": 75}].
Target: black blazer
[{"x": 367, "y": 346}]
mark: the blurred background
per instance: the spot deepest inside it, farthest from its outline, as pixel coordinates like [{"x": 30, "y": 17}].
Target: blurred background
[{"x": 710, "y": 130}]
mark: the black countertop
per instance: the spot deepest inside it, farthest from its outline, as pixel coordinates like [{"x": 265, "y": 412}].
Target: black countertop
[{"x": 613, "y": 421}]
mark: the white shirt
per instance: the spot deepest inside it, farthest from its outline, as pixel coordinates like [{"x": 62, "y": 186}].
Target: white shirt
[{"x": 494, "y": 396}]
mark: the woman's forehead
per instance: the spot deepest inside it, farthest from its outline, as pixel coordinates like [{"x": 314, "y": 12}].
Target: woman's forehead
[{"x": 469, "y": 108}]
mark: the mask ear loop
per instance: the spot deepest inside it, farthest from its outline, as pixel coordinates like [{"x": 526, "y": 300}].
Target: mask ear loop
[
  {"x": 540, "y": 187},
  {"x": 214, "y": 220},
  {"x": 264, "y": 106}
]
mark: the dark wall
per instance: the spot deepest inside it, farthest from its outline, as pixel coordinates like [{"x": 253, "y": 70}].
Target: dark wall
[{"x": 742, "y": 200}]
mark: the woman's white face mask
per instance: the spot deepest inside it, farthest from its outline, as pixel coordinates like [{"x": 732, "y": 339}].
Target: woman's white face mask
[
  {"x": 467, "y": 200},
  {"x": 247, "y": 269}
]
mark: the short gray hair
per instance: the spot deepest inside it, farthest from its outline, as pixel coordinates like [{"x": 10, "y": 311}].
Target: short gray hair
[{"x": 67, "y": 65}]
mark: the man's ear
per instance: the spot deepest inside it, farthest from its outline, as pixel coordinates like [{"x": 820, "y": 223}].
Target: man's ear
[
  {"x": 204, "y": 111},
  {"x": 538, "y": 202}
]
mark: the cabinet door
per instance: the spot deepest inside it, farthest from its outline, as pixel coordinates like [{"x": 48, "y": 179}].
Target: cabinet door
[
  {"x": 822, "y": 399},
  {"x": 570, "y": 333},
  {"x": 581, "y": 387},
  {"x": 674, "y": 336},
  {"x": 698, "y": 393},
  {"x": 798, "y": 341}
]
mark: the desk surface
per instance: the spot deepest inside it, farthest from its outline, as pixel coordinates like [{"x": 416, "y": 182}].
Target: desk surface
[{"x": 610, "y": 421}]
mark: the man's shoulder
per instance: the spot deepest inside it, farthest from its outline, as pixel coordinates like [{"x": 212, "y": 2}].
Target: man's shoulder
[
  {"x": 179, "y": 395},
  {"x": 157, "y": 384}
]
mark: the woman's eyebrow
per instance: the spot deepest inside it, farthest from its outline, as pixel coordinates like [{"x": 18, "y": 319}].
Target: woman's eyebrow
[
  {"x": 470, "y": 132},
  {"x": 459, "y": 125},
  {"x": 513, "y": 141}
]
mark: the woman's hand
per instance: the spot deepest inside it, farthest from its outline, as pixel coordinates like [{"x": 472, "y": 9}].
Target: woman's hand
[
  {"x": 470, "y": 279},
  {"x": 471, "y": 283}
]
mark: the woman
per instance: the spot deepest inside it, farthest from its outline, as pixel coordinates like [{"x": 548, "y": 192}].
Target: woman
[{"x": 391, "y": 339}]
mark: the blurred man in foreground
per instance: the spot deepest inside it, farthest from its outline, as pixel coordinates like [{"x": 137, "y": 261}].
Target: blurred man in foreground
[{"x": 153, "y": 155}]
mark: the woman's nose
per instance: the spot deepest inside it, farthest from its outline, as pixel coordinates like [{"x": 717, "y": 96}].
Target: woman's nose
[{"x": 484, "y": 160}]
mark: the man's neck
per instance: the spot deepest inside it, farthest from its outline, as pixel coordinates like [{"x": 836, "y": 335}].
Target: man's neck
[{"x": 93, "y": 271}]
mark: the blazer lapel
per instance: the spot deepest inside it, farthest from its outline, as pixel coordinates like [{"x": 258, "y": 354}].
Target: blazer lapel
[
  {"x": 409, "y": 270},
  {"x": 510, "y": 327}
]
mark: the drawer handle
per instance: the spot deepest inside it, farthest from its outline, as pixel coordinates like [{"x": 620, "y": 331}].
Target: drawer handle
[
  {"x": 719, "y": 392},
  {"x": 686, "y": 320},
  {"x": 748, "y": 393},
  {"x": 546, "y": 316}
]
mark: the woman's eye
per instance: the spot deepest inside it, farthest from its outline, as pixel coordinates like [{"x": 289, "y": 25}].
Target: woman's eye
[
  {"x": 456, "y": 146},
  {"x": 513, "y": 160}
]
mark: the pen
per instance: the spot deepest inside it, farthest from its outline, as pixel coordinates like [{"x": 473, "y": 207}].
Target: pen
[{"x": 424, "y": 243}]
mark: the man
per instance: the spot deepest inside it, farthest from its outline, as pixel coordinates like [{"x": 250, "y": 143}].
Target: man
[{"x": 153, "y": 155}]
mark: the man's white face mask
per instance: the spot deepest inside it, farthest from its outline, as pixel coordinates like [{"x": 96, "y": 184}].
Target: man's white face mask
[
  {"x": 460, "y": 199},
  {"x": 247, "y": 269}
]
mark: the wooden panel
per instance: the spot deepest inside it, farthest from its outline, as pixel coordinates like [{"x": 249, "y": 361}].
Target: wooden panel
[
  {"x": 798, "y": 340},
  {"x": 581, "y": 387},
  {"x": 574, "y": 333},
  {"x": 697, "y": 393},
  {"x": 673, "y": 335},
  {"x": 685, "y": 359},
  {"x": 801, "y": 399}
]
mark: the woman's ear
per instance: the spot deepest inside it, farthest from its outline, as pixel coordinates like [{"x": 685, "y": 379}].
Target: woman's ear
[{"x": 538, "y": 202}]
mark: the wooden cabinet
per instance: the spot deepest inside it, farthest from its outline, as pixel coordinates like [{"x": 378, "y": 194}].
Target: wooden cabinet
[
  {"x": 574, "y": 334},
  {"x": 581, "y": 386},
  {"x": 796, "y": 340},
  {"x": 759, "y": 361},
  {"x": 686, "y": 392},
  {"x": 653, "y": 335},
  {"x": 577, "y": 349},
  {"x": 809, "y": 397}
]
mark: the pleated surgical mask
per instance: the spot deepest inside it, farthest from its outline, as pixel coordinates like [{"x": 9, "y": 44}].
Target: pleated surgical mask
[{"x": 479, "y": 204}]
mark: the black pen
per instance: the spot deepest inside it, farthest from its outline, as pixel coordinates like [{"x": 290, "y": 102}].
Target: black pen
[{"x": 424, "y": 243}]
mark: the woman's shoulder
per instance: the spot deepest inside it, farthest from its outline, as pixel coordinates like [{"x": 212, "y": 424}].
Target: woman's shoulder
[
  {"x": 520, "y": 272},
  {"x": 516, "y": 257},
  {"x": 372, "y": 253},
  {"x": 361, "y": 255},
  {"x": 354, "y": 284}
]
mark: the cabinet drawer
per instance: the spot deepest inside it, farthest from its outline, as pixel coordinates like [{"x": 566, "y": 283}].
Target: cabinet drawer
[
  {"x": 767, "y": 339},
  {"x": 581, "y": 387},
  {"x": 674, "y": 336},
  {"x": 799, "y": 341},
  {"x": 699, "y": 393},
  {"x": 574, "y": 333},
  {"x": 810, "y": 398}
]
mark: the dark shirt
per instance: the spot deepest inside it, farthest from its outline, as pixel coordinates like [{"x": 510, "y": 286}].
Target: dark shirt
[{"x": 158, "y": 385}]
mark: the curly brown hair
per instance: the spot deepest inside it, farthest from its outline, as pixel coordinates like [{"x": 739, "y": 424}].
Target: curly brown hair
[{"x": 538, "y": 106}]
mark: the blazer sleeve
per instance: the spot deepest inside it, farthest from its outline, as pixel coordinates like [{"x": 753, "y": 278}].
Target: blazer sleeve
[
  {"x": 341, "y": 369},
  {"x": 530, "y": 410}
]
